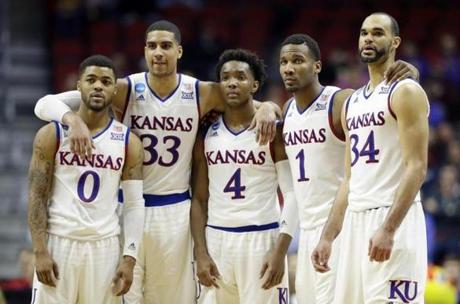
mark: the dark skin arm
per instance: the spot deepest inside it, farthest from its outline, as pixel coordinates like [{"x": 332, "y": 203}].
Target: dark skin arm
[
  {"x": 132, "y": 170},
  {"x": 207, "y": 271},
  {"x": 41, "y": 172},
  {"x": 273, "y": 266}
]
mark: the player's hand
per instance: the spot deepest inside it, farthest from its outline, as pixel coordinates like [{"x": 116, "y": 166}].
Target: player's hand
[
  {"x": 320, "y": 256},
  {"x": 264, "y": 122},
  {"x": 207, "y": 271},
  {"x": 272, "y": 269},
  {"x": 46, "y": 268},
  {"x": 123, "y": 276},
  {"x": 400, "y": 70},
  {"x": 81, "y": 141},
  {"x": 380, "y": 245}
]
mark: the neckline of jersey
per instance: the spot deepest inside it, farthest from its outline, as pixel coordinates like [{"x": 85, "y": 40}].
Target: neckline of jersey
[{"x": 170, "y": 94}]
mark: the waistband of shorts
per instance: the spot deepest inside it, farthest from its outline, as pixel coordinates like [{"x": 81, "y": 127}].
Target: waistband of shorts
[
  {"x": 155, "y": 200},
  {"x": 249, "y": 228}
]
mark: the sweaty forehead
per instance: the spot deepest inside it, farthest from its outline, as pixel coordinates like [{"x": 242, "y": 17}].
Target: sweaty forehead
[
  {"x": 295, "y": 49},
  {"x": 377, "y": 22},
  {"x": 160, "y": 36}
]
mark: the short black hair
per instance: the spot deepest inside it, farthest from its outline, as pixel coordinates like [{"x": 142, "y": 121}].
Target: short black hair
[
  {"x": 256, "y": 65},
  {"x": 304, "y": 39},
  {"x": 394, "y": 23},
  {"x": 164, "y": 25},
  {"x": 97, "y": 60}
]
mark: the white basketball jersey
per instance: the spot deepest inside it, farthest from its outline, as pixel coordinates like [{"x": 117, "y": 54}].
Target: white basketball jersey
[
  {"x": 375, "y": 151},
  {"x": 167, "y": 128},
  {"x": 242, "y": 178},
  {"x": 84, "y": 197},
  {"x": 316, "y": 157}
]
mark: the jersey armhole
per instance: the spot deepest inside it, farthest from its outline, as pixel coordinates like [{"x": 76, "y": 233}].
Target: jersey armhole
[
  {"x": 128, "y": 97},
  {"x": 392, "y": 88},
  {"x": 197, "y": 90},
  {"x": 58, "y": 136},
  {"x": 128, "y": 131},
  {"x": 331, "y": 117}
]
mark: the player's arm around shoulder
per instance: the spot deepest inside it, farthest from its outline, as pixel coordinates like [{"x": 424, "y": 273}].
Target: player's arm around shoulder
[
  {"x": 121, "y": 98},
  {"x": 211, "y": 98},
  {"x": 41, "y": 172}
]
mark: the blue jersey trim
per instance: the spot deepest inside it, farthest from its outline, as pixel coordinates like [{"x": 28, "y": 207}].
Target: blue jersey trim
[
  {"x": 321, "y": 92},
  {"x": 154, "y": 200},
  {"x": 249, "y": 228},
  {"x": 197, "y": 92},
  {"x": 105, "y": 129},
  {"x": 230, "y": 130},
  {"x": 170, "y": 94}
]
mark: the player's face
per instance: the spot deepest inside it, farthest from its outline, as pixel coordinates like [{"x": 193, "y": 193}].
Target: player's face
[
  {"x": 97, "y": 86},
  {"x": 161, "y": 53},
  {"x": 237, "y": 82},
  {"x": 376, "y": 39},
  {"x": 298, "y": 69}
]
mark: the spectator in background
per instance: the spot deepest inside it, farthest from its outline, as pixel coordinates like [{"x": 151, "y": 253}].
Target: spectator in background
[{"x": 445, "y": 199}]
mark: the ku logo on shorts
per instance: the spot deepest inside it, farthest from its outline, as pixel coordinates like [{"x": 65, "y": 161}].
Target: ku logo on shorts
[{"x": 403, "y": 290}]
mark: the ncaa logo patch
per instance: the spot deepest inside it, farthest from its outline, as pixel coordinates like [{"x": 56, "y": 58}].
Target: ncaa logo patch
[{"x": 139, "y": 87}]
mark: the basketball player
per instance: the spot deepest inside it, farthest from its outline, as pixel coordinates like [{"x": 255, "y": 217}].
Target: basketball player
[
  {"x": 315, "y": 145},
  {"x": 383, "y": 242},
  {"x": 163, "y": 108},
  {"x": 241, "y": 255},
  {"x": 73, "y": 201}
]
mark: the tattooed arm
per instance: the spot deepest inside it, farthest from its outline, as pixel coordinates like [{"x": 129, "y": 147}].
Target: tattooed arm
[
  {"x": 133, "y": 214},
  {"x": 41, "y": 171}
]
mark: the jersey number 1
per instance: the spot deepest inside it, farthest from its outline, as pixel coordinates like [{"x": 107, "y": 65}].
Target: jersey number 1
[{"x": 234, "y": 185}]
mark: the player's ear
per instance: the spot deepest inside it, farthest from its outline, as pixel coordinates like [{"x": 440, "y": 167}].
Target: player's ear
[
  {"x": 179, "y": 51},
  {"x": 255, "y": 87},
  {"x": 317, "y": 67},
  {"x": 396, "y": 41},
  {"x": 78, "y": 85}
]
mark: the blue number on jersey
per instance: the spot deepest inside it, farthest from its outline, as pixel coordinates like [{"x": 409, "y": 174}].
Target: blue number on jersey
[
  {"x": 234, "y": 185},
  {"x": 81, "y": 186}
]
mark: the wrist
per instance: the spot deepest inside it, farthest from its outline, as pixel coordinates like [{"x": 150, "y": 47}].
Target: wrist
[
  {"x": 129, "y": 260},
  {"x": 389, "y": 229},
  {"x": 40, "y": 251},
  {"x": 200, "y": 251}
]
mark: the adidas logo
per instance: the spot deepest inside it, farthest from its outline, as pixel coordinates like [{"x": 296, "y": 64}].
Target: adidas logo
[
  {"x": 132, "y": 246},
  {"x": 140, "y": 98},
  {"x": 320, "y": 107}
]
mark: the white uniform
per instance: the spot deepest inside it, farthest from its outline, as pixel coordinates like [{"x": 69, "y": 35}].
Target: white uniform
[
  {"x": 316, "y": 158},
  {"x": 376, "y": 170},
  {"x": 83, "y": 224},
  {"x": 167, "y": 128},
  {"x": 243, "y": 215}
]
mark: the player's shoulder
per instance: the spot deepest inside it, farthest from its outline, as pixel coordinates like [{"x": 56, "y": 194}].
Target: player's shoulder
[
  {"x": 48, "y": 135},
  {"x": 406, "y": 86}
]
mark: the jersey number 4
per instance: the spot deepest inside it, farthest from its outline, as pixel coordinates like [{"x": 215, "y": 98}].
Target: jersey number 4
[{"x": 234, "y": 185}]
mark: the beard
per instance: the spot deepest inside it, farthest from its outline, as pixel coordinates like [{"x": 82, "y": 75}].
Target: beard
[{"x": 378, "y": 53}]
